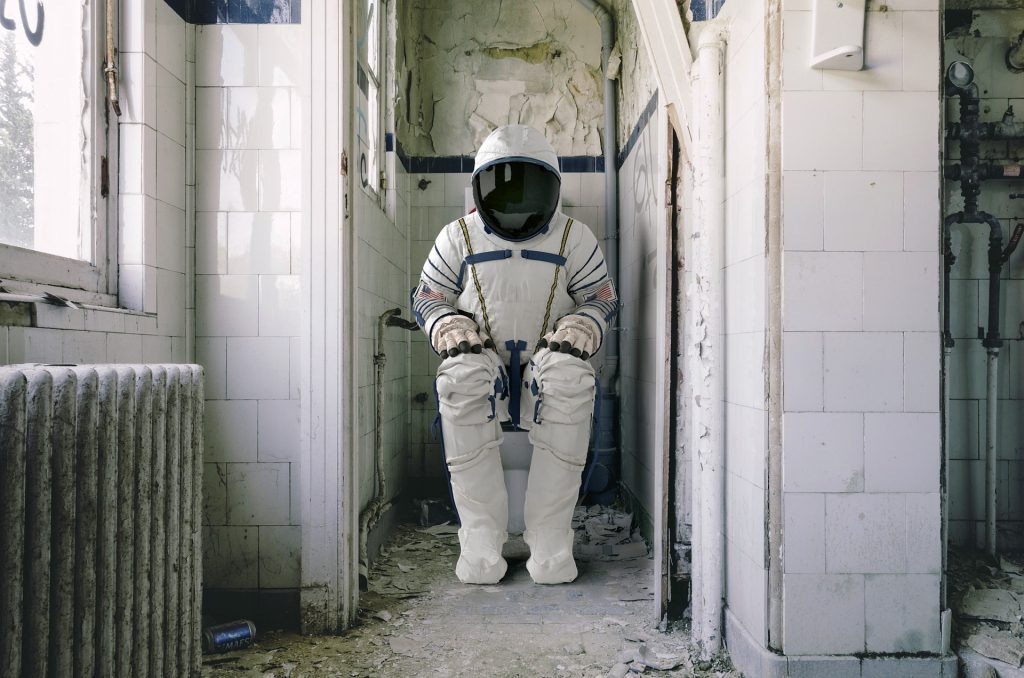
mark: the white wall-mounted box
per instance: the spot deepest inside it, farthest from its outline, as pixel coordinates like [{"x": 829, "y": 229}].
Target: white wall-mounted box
[{"x": 838, "y": 35}]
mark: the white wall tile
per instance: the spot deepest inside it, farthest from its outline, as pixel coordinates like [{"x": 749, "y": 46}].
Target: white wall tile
[
  {"x": 278, "y": 430},
  {"x": 211, "y": 353},
  {"x": 863, "y": 211},
  {"x": 803, "y": 200},
  {"x": 921, "y": 220},
  {"x": 215, "y": 499},
  {"x": 823, "y": 452},
  {"x": 170, "y": 237},
  {"x": 823, "y": 614},
  {"x": 921, "y": 50},
  {"x": 280, "y": 551},
  {"x": 924, "y": 539},
  {"x": 227, "y": 305},
  {"x": 280, "y": 54},
  {"x": 258, "y": 494},
  {"x": 797, "y": 73},
  {"x": 921, "y": 371},
  {"x": 259, "y": 242},
  {"x": 229, "y": 428},
  {"x": 901, "y": 131},
  {"x": 170, "y": 40},
  {"x": 744, "y": 297},
  {"x": 170, "y": 105},
  {"x": 124, "y": 348},
  {"x": 211, "y": 242},
  {"x": 170, "y": 302},
  {"x": 280, "y": 181},
  {"x": 280, "y": 305},
  {"x": 230, "y": 557},
  {"x": 227, "y": 180},
  {"x": 863, "y": 372},
  {"x": 81, "y": 347},
  {"x": 865, "y": 533},
  {"x": 803, "y": 533},
  {"x": 822, "y": 291},
  {"x": 902, "y": 612},
  {"x": 270, "y": 380},
  {"x": 170, "y": 171},
  {"x": 825, "y": 129},
  {"x": 157, "y": 349},
  {"x": 33, "y": 345},
  {"x": 803, "y": 371},
  {"x": 901, "y": 291},
  {"x": 902, "y": 452},
  {"x": 227, "y": 55}
]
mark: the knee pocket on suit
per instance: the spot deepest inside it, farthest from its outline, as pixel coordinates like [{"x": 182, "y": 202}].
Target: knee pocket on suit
[
  {"x": 469, "y": 388},
  {"x": 563, "y": 389}
]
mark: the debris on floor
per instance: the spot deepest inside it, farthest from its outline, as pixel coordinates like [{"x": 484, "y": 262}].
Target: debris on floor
[
  {"x": 988, "y": 609},
  {"x": 417, "y": 619}
]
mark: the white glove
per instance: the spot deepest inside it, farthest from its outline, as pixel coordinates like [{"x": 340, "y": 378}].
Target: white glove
[
  {"x": 456, "y": 334},
  {"x": 575, "y": 334}
]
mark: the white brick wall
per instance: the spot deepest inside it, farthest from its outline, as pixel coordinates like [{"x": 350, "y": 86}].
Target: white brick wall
[
  {"x": 248, "y": 144},
  {"x": 860, "y": 318}
]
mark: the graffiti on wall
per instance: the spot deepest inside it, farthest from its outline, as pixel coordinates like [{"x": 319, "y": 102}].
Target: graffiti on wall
[{"x": 33, "y": 29}]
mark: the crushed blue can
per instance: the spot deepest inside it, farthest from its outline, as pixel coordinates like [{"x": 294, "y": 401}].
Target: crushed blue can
[{"x": 236, "y": 635}]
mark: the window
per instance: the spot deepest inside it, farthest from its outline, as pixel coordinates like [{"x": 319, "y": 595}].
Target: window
[
  {"x": 53, "y": 143},
  {"x": 368, "y": 115}
]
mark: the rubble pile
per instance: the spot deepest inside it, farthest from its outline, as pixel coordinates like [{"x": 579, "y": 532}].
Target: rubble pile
[{"x": 988, "y": 605}]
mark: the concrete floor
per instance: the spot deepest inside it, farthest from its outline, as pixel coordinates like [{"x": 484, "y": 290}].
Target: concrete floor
[{"x": 417, "y": 619}]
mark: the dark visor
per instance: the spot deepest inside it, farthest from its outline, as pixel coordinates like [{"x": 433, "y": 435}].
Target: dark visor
[{"x": 516, "y": 199}]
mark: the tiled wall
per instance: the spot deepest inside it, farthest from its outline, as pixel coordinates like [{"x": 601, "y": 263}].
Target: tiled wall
[
  {"x": 861, "y": 274},
  {"x": 249, "y": 107},
  {"x": 155, "y": 243},
  {"x": 985, "y": 51},
  {"x": 745, "y": 299},
  {"x": 640, "y": 206}
]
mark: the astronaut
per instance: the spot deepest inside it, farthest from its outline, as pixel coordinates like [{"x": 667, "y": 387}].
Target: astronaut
[{"x": 515, "y": 297}]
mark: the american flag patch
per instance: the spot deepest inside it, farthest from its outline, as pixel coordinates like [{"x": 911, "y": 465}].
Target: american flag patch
[
  {"x": 426, "y": 292},
  {"x": 605, "y": 292}
]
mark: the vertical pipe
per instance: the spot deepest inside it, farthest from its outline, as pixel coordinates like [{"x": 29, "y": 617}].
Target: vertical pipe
[
  {"x": 196, "y": 449},
  {"x": 158, "y": 537},
  {"x": 947, "y": 354},
  {"x": 107, "y": 523},
  {"x": 62, "y": 549},
  {"x": 35, "y": 651},
  {"x": 710, "y": 374},
  {"x": 990, "y": 451},
  {"x": 170, "y": 550},
  {"x": 88, "y": 427},
  {"x": 148, "y": 415},
  {"x": 127, "y": 413},
  {"x": 13, "y": 397},
  {"x": 183, "y": 624}
]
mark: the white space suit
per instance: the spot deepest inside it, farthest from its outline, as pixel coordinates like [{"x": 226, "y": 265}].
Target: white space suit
[{"x": 519, "y": 291}]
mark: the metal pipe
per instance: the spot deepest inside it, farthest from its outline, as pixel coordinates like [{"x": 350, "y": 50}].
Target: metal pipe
[
  {"x": 378, "y": 504},
  {"x": 947, "y": 353},
  {"x": 709, "y": 370},
  {"x": 991, "y": 454},
  {"x": 110, "y": 68}
]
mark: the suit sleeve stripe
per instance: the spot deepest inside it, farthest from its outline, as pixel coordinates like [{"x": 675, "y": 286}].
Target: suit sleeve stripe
[
  {"x": 442, "y": 273},
  {"x": 585, "y": 264},
  {"x": 600, "y": 264},
  {"x": 439, "y": 283},
  {"x": 580, "y": 288},
  {"x": 444, "y": 261}
]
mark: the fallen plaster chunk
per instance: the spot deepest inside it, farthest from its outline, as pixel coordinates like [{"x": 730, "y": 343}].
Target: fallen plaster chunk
[
  {"x": 661, "y": 662},
  {"x": 997, "y": 644},
  {"x": 618, "y": 671},
  {"x": 991, "y": 604}
]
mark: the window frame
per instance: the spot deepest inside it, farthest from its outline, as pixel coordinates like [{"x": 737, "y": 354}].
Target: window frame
[
  {"x": 94, "y": 282},
  {"x": 374, "y": 186}
]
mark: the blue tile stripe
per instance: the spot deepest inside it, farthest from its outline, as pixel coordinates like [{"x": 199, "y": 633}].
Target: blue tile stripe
[{"x": 238, "y": 11}]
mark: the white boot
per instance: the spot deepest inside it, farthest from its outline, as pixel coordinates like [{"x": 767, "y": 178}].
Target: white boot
[
  {"x": 560, "y": 435},
  {"x": 468, "y": 388}
]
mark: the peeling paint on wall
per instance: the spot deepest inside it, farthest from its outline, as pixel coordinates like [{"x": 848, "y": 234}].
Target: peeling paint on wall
[
  {"x": 465, "y": 68},
  {"x": 636, "y": 77}
]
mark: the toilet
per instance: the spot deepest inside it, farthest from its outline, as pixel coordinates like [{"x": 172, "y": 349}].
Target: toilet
[{"x": 516, "y": 453}]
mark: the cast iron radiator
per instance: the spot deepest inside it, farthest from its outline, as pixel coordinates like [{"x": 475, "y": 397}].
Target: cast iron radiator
[{"x": 100, "y": 515}]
